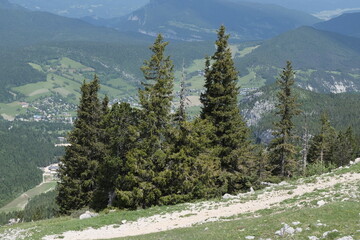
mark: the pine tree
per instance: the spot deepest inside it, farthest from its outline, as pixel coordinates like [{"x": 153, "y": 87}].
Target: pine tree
[
  {"x": 282, "y": 146},
  {"x": 120, "y": 123},
  {"x": 322, "y": 145},
  {"x": 78, "y": 167},
  {"x": 220, "y": 107},
  {"x": 148, "y": 159}
]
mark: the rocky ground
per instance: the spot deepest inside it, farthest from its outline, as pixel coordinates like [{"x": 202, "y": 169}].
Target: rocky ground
[{"x": 272, "y": 197}]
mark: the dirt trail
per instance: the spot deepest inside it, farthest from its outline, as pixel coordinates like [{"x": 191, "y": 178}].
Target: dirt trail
[{"x": 208, "y": 212}]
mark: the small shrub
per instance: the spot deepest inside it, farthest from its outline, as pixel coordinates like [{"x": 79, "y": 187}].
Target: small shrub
[{"x": 319, "y": 168}]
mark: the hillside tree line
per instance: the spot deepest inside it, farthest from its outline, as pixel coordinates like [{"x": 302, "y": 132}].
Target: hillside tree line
[{"x": 131, "y": 158}]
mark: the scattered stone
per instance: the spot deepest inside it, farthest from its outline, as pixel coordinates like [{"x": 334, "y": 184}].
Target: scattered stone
[
  {"x": 228, "y": 196},
  {"x": 88, "y": 214},
  {"x": 346, "y": 238},
  {"x": 298, "y": 230},
  {"x": 249, "y": 237},
  {"x": 321, "y": 203},
  {"x": 357, "y": 161},
  {"x": 286, "y": 230},
  {"x": 251, "y": 190},
  {"x": 268, "y": 183},
  {"x": 206, "y": 229},
  {"x": 296, "y": 223},
  {"x": 313, "y": 238},
  {"x": 283, "y": 183},
  {"x": 14, "y": 221},
  {"x": 328, "y": 232},
  {"x": 123, "y": 221},
  {"x": 351, "y": 163}
]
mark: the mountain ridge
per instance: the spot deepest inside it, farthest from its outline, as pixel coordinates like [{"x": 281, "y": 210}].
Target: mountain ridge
[
  {"x": 198, "y": 20},
  {"x": 344, "y": 24},
  {"x": 325, "y": 61}
]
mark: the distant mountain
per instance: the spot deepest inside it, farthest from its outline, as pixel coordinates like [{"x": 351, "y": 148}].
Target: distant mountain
[
  {"x": 82, "y": 8},
  {"x": 23, "y": 27},
  {"x": 7, "y": 5},
  {"x": 311, "y": 6},
  {"x": 347, "y": 24},
  {"x": 198, "y": 20},
  {"x": 326, "y": 62},
  {"x": 343, "y": 109}
]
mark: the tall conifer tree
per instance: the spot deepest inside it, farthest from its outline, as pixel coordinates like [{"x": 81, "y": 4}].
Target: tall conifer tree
[
  {"x": 323, "y": 144},
  {"x": 220, "y": 107},
  {"x": 148, "y": 158},
  {"x": 282, "y": 146},
  {"x": 78, "y": 167}
]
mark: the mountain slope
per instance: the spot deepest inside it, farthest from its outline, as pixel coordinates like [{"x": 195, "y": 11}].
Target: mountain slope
[
  {"x": 311, "y": 6},
  {"x": 312, "y": 205},
  {"x": 5, "y": 4},
  {"x": 21, "y": 27},
  {"x": 326, "y": 62},
  {"x": 198, "y": 20},
  {"x": 343, "y": 110},
  {"x": 81, "y": 8},
  {"x": 347, "y": 24}
]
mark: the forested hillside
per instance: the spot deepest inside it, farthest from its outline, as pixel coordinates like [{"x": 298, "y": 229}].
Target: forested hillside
[
  {"x": 24, "y": 147},
  {"x": 131, "y": 158},
  {"x": 82, "y": 8},
  {"x": 342, "y": 24},
  {"x": 21, "y": 27},
  {"x": 325, "y": 61},
  {"x": 198, "y": 20},
  {"x": 259, "y": 106},
  {"x": 60, "y": 68}
]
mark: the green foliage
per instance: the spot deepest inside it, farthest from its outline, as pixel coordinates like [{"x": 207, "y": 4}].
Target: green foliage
[
  {"x": 120, "y": 135},
  {"x": 323, "y": 144},
  {"x": 220, "y": 107},
  {"x": 24, "y": 147},
  {"x": 79, "y": 166},
  {"x": 317, "y": 168},
  {"x": 192, "y": 168},
  {"x": 41, "y": 207},
  {"x": 282, "y": 146},
  {"x": 322, "y": 59},
  {"x": 330, "y": 147},
  {"x": 140, "y": 187}
]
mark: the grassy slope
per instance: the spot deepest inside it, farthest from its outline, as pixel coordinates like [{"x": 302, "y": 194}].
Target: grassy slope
[
  {"x": 342, "y": 216},
  {"x": 337, "y": 214},
  {"x": 20, "y": 202}
]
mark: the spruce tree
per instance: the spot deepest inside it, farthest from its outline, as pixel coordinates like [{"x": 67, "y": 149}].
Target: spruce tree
[
  {"x": 120, "y": 123},
  {"x": 148, "y": 158},
  {"x": 220, "y": 107},
  {"x": 78, "y": 167},
  {"x": 344, "y": 148},
  {"x": 323, "y": 144},
  {"x": 282, "y": 146}
]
